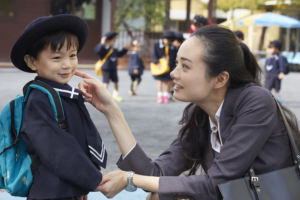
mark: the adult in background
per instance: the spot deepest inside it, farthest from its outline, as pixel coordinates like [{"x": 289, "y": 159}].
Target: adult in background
[
  {"x": 231, "y": 123},
  {"x": 198, "y": 22}
]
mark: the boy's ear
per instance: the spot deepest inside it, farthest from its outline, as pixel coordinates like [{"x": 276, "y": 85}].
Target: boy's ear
[
  {"x": 30, "y": 61},
  {"x": 222, "y": 80}
]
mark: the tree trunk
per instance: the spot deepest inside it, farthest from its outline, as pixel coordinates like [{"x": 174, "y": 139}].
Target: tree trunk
[{"x": 262, "y": 38}]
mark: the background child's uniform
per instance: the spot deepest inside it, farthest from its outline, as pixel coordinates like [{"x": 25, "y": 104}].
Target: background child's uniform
[
  {"x": 274, "y": 66},
  {"x": 135, "y": 62},
  {"x": 109, "y": 68},
  {"x": 159, "y": 52},
  {"x": 71, "y": 160}
]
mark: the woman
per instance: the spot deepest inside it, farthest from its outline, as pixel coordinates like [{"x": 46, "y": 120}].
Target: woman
[{"x": 231, "y": 123}]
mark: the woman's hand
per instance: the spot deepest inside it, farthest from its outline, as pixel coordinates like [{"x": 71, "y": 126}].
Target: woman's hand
[
  {"x": 95, "y": 92},
  {"x": 113, "y": 183}
]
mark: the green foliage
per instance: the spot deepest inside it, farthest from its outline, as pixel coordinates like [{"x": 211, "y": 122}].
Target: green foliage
[
  {"x": 154, "y": 12},
  {"x": 247, "y": 4}
]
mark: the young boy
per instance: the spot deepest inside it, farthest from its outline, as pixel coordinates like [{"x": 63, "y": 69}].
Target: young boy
[
  {"x": 109, "y": 68},
  {"x": 239, "y": 35},
  {"x": 159, "y": 51},
  {"x": 71, "y": 159},
  {"x": 135, "y": 67},
  {"x": 274, "y": 69},
  {"x": 179, "y": 39}
]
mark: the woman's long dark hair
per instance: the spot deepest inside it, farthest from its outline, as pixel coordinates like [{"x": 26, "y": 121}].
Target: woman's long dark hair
[{"x": 223, "y": 52}]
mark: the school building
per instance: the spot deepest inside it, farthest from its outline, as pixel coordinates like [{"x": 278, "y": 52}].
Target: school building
[{"x": 15, "y": 15}]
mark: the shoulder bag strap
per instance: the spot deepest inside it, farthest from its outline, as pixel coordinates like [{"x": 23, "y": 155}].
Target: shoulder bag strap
[{"x": 107, "y": 55}]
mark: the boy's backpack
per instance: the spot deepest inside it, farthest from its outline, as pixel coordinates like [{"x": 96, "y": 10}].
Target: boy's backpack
[
  {"x": 16, "y": 166},
  {"x": 286, "y": 65}
]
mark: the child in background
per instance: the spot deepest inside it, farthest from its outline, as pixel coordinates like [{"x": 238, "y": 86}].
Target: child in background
[
  {"x": 109, "y": 68},
  {"x": 239, "y": 35},
  {"x": 70, "y": 159},
  {"x": 159, "y": 51},
  {"x": 179, "y": 39},
  {"x": 275, "y": 67},
  {"x": 135, "y": 67}
]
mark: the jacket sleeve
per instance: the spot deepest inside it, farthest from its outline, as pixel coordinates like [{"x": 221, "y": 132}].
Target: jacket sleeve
[
  {"x": 281, "y": 63},
  {"x": 58, "y": 150},
  {"x": 254, "y": 120},
  {"x": 122, "y": 52},
  {"x": 155, "y": 54},
  {"x": 101, "y": 50}
]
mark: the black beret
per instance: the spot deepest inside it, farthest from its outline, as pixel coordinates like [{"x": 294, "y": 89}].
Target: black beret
[
  {"x": 169, "y": 35},
  {"x": 277, "y": 44},
  {"x": 42, "y": 26},
  {"x": 239, "y": 34},
  {"x": 179, "y": 36},
  {"x": 110, "y": 35}
]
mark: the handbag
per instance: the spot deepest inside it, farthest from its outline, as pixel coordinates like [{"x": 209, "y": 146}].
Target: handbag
[
  {"x": 163, "y": 67},
  {"x": 282, "y": 184},
  {"x": 100, "y": 63}
]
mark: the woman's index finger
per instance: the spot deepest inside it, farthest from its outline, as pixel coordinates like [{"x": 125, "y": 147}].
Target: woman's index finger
[{"x": 83, "y": 75}]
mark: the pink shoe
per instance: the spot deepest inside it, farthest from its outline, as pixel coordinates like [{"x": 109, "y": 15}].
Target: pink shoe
[
  {"x": 166, "y": 100},
  {"x": 160, "y": 99}
]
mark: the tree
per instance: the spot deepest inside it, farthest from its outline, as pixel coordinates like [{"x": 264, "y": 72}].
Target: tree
[{"x": 153, "y": 11}]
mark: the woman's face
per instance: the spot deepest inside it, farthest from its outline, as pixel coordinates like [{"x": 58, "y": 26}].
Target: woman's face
[{"x": 192, "y": 83}]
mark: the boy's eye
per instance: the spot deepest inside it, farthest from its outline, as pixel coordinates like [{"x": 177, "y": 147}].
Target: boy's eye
[
  {"x": 73, "y": 55},
  {"x": 57, "y": 57}
]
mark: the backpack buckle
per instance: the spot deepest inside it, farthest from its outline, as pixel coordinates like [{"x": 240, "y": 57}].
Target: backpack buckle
[{"x": 63, "y": 126}]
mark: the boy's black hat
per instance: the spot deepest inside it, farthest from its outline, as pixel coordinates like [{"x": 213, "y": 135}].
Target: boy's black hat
[
  {"x": 169, "y": 35},
  {"x": 277, "y": 44},
  {"x": 179, "y": 36},
  {"x": 110, "y": 35},
  {"x": 40, "y": 27},
  {"x": 239, "y": 34}
]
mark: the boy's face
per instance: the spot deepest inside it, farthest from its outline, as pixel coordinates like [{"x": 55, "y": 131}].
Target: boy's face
[
  {"x": 111, "y": 42},
  {"x": 272, "y": 49},
  {"x": 176, "y": 43},
  {"x": 136, "y": 48},
  {"x": 58, "y": 66}
]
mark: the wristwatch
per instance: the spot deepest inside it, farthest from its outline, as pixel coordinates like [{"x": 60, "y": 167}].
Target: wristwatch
[{"x": 129, "y": 186}]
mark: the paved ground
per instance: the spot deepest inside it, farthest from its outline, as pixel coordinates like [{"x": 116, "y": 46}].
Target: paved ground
[{"x": 153, "y": 125}]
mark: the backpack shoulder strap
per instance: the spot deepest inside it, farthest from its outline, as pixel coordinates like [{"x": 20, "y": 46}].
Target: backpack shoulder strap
[{"x": 55, "y": 97}]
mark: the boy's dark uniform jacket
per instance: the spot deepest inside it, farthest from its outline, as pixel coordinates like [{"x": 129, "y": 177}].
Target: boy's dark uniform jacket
[
  {"x": 274, "y": 65},
  {"x": 135, "y": 62},
  {"x": 159, "y": 52},
  {"x": 70, "y": 160},
  {"x": 112, "y": 61}
]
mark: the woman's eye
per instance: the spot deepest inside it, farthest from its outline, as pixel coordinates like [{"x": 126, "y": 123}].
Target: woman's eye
[{"x": 184, "y": 66}]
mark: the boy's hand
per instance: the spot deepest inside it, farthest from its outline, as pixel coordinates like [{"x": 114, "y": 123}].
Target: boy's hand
[
  {"x": 281, "y": 75},
  {"x": 136, "y": 71},
  {"x": 103, "y": 40},
  {"x": 83, "y": 197}
]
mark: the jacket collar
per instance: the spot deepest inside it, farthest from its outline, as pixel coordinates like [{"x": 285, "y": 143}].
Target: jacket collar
[{"x": 63, "y": 90}]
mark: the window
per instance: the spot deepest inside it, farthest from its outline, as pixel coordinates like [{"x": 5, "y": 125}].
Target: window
[
  {"x": 61, "y": 7},
  {"x": 6, "y": 8},
  {"x": 85, "y": 9}
]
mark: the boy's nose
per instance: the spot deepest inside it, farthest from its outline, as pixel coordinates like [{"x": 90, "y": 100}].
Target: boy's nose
[{"x": 66, "y": 64}]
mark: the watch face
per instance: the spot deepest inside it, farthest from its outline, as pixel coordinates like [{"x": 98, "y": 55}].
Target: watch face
[{"x": 130, "y": 188}]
